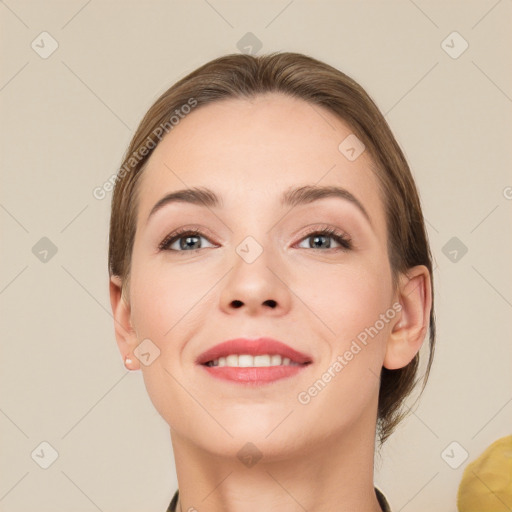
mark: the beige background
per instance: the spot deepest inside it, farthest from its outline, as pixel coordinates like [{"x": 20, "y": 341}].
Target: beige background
[{"x": 66, "y": 121}]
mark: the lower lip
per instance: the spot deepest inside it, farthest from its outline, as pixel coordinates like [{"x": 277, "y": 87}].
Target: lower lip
[{"x": 253, "y": 375}]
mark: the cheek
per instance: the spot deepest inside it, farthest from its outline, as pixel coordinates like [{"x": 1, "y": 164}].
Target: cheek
[
  {"x": 163, "y": 295},
  {"x": 350, "y": 304},
  {"x": 166, "y": 308},
  {"x": 345, "y": 299}
]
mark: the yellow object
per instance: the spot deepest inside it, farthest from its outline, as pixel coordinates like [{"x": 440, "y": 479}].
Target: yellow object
[{"x": 486, "y": 484}]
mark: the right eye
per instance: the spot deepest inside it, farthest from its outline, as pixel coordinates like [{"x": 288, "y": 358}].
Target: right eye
[{"x": 187, "y": 238}]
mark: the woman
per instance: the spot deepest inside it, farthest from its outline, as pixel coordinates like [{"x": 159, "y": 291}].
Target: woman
[{"x": 271, "y": 276}]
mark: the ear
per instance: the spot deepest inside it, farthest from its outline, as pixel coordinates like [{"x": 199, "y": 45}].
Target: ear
[
  {"x": 408, "y": 333},
  {"x": 125, "y": 335}
]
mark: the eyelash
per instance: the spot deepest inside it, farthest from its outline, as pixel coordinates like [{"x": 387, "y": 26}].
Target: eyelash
[{"x": 342, "y": 238}]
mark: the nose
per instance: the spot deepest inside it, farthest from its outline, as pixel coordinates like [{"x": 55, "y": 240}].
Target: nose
[
  {"x": 271, "y": 303},
  {"x": 257, "y": 288}
]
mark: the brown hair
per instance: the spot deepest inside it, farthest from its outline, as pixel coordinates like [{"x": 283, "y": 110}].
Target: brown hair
[{"x": 303, "y": 77}]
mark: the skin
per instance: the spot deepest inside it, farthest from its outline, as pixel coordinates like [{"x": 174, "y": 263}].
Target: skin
[{"x": 316, "y": 456}]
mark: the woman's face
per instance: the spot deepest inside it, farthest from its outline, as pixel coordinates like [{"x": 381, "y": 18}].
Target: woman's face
[{"x": 257, "y": 270}]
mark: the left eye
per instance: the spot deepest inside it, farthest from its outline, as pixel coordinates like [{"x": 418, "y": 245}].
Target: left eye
[{"x": 318, "y": 237}]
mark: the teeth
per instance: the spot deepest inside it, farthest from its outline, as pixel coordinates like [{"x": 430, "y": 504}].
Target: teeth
[
  {"x": 246, "y": 361},
  {"x": 262, "y": 360},
  {"x": 275, "y": 360},
  {"x": 232, "y": 360}
]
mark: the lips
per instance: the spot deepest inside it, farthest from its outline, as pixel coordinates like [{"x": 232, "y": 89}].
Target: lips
[{"x": 253, "y": 347}]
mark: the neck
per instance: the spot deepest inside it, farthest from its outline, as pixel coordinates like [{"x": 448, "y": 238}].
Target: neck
[{"x": 335, "y": 475}]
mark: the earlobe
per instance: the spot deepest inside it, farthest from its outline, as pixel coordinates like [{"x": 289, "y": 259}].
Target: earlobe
[
  {"x": 125, "y": 335},
  {"x": 408, "y": 333}
]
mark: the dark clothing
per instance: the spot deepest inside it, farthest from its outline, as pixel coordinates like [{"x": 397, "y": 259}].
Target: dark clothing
[{"x": 384, "y": 505}]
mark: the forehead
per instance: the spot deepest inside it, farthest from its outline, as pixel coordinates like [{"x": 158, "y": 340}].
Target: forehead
[{"x": 250, "y": 150}]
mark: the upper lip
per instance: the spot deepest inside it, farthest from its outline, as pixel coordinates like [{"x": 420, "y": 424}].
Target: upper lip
[{"x": 254, "y": 347}]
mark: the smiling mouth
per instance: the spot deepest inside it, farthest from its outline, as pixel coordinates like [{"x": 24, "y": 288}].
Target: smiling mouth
[
  {"x": 250, "y": 361},
  {"x": 255, "y": 370},
  {"x": 257, "y": 361}
]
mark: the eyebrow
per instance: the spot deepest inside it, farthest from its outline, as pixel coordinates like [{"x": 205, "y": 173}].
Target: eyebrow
[{"x": 202, "y": 196}]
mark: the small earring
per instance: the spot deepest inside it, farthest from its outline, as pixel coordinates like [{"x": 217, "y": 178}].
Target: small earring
[{"x": 128, "y": 362}]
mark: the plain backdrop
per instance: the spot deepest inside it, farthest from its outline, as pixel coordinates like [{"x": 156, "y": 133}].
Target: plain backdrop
[{"x": 76, "y": 78}]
